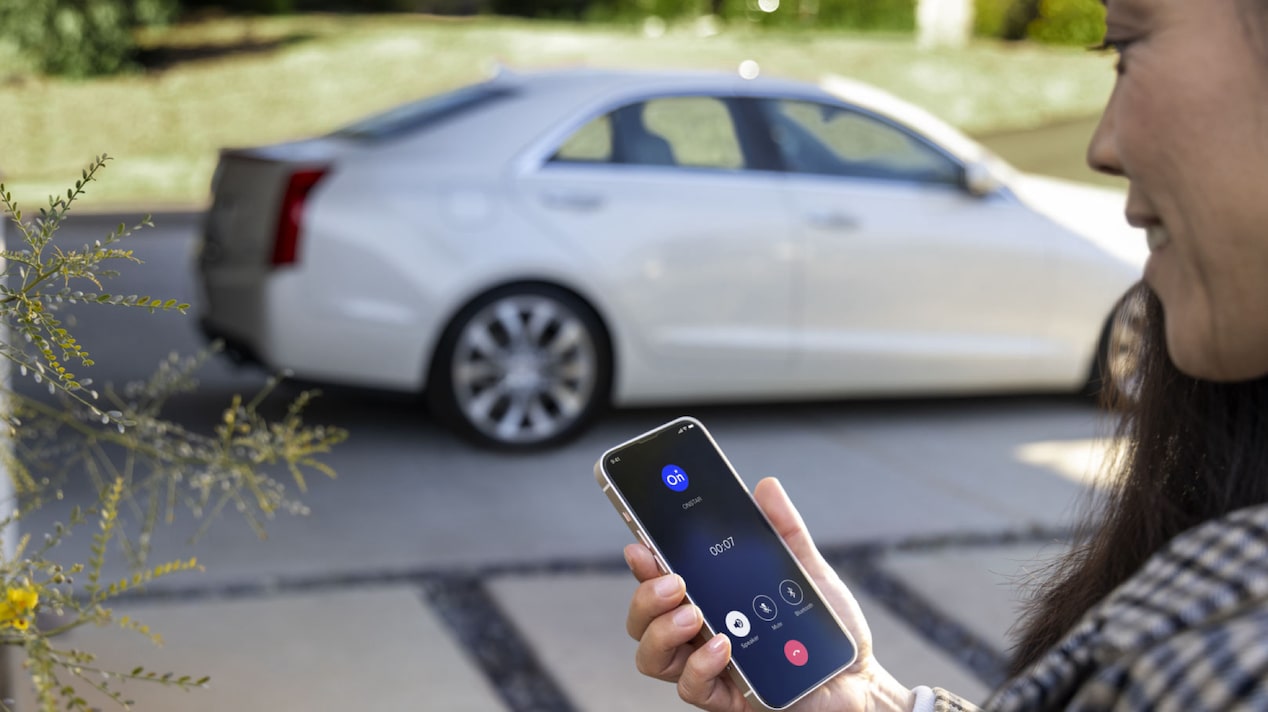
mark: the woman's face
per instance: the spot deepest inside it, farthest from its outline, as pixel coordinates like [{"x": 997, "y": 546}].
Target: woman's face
[{"x": 1187, "y": 124}]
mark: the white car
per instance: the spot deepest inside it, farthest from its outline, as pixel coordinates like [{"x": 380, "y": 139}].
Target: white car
[{"x": 531, "y": 249}]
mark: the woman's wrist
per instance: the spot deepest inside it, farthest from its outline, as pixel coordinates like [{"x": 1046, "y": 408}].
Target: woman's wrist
[{"x": 889, "y": 695}]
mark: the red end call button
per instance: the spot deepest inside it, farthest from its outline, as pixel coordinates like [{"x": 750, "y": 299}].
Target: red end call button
[{"x": 796, "y": 653}]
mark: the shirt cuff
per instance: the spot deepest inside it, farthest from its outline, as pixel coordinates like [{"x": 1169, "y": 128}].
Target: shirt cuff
[{"x": 924, "y": 699}]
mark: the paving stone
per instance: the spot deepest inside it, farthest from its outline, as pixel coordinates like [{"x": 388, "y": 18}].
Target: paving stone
[
  {"x": 911, "y": 658},
  {"x": 335, "y": 651},
  {"x": 986, "y": 455},
  {"x": 979, "y": 587},
  {"x": 576, "y": 624}
]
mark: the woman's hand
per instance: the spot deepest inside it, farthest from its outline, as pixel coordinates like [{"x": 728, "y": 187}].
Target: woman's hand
[{"x": 665, "y": 626}]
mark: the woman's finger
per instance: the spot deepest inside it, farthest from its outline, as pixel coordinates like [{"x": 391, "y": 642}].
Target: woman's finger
[
  {"x": 704, "y": 682},
  {"x": 663, "y": 649},
  {"x": 774, "y": 501},
  {"x": 641, "y": 562},
  {"x": 652, "y": 599}
]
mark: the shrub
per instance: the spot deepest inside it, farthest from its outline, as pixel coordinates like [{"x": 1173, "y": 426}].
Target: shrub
[
  {"x": 990, "y": 17},
  {"x": 884, "y": 15},
  {"x": 1069, "y": 22},
  {"x": 75, "y": 38},
  {"x": 169, "y": 467},
  {"x": 867, "y": 15},
  {"x": 277, "y": 7}
]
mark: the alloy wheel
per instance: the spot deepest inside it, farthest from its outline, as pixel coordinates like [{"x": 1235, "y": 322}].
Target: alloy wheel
[{"x": 524, "y": 369}]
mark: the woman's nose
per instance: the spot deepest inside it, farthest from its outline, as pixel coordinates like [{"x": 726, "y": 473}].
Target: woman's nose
[{"x": 1102, "y": 151}]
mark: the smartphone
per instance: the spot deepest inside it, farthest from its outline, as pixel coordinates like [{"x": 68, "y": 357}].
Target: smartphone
[{"x": 680, "y": 496}]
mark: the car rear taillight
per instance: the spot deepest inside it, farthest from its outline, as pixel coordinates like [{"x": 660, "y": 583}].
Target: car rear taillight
[{"x": 286, "y": 244}]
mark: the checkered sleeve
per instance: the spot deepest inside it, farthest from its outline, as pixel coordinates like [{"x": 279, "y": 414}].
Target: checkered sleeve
[
  {"x": 944, "y": 701},
  {"x": 1222, "y": 666}
]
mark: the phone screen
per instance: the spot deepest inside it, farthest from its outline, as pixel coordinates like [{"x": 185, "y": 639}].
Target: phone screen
[{"x": 689, "y": 502}]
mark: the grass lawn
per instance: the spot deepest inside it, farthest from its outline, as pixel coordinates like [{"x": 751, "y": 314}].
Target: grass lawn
[{"x": 234, "y": 82}]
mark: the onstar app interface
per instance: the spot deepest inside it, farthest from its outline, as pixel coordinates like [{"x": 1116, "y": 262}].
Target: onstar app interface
[{"x": 783, "y": 637}]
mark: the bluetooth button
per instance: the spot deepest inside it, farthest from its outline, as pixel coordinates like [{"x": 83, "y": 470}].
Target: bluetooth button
[
  {"x": 764, "y": 607},
  {"x": 791, "y": 592}
]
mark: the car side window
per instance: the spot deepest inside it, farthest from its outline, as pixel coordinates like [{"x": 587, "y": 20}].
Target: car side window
[
  {"x": 591, "y": 143},
  {"x": 688, "y": 131},
  {"x": 698, "y": 131},
  {"x": 829, "y": 140}
]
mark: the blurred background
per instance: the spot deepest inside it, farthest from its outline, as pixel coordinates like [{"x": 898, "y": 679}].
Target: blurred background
[{"x": 456, "y": 565}]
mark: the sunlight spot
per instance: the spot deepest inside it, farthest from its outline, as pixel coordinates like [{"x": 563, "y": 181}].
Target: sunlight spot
[{"x": 1083, "y": 461}]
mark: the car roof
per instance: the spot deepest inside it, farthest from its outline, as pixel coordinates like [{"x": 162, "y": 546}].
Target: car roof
[
  {"x": 547, "y": 105},
  {"x": 594, "y": 79},
  {"x": 598, "y": 82}
]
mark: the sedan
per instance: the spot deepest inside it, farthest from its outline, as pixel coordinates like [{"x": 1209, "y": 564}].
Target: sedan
[{"x": 529, "y": 250}]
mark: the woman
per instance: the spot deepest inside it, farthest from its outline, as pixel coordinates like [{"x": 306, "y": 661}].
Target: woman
[{"x": 1163, "y": 602}]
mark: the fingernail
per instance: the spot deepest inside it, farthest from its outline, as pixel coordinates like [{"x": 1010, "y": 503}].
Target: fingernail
[
  {"x": 718, "y": 642},
  {"x": 667, "y": 586},
  {"x": 628, "y": 561},
  {"x": 686, "y": 616}
]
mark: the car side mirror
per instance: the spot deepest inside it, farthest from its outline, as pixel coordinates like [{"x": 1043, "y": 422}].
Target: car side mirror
[{"x": 980, "y": 180}]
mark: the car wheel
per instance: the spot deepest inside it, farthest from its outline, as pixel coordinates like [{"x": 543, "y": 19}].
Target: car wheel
[
  {"x": 1116, "y": 377},
  {"x": 524, "y": 366}
]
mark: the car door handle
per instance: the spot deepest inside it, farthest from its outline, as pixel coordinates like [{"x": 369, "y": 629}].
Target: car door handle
[
  {"x": 831, "y": 220},
  {"x": 572, "y": 200}
]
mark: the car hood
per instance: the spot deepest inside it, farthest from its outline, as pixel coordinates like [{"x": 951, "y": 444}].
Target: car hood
[{"x": 1094, "y": 212}]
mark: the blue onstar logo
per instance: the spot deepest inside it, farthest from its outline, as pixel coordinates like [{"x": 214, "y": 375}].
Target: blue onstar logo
[{"x": 675, "y": 479}]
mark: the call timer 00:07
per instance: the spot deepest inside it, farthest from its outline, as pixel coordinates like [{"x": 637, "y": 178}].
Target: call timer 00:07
[{"x": 722, "y": 546}]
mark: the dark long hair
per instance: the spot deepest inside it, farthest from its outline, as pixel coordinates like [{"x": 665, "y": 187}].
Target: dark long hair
[{"x": 1191, "y": 451}]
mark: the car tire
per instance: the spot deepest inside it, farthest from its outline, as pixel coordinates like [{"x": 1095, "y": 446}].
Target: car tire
[
  {"x": 522, "y": 367},
  {"x": 1115, "y": 380}
]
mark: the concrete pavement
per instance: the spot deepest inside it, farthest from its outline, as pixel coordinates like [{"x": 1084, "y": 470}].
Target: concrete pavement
[{"x": 536, "y": 632}]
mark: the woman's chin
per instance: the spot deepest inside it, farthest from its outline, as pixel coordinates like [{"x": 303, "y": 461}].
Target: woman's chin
[{"x": 1204, "y": 360}]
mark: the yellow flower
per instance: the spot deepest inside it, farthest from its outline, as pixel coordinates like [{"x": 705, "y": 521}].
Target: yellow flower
[
  {"x": 23, "y": 599},
  {"x": 20, "y": 623}
]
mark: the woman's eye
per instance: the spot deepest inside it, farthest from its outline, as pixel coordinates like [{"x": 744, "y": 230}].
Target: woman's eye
[{"x": 1119, "y": 47}]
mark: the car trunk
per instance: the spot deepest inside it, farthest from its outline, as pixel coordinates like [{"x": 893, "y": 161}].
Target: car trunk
[{"x": 252, "y": 229}]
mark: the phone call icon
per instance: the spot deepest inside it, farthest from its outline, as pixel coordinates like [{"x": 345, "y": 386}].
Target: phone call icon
[{"x": 796, "y": 653}]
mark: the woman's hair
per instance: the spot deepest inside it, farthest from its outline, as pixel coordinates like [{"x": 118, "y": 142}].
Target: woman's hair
[{"x": 1188, "y": 451}]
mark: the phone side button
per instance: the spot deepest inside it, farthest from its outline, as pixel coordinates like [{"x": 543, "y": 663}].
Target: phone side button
[
  {"x": 661, "y": 565},
  {"x": 647, "y": 543}
]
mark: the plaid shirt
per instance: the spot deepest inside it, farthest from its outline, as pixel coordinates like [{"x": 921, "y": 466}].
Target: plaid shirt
[{"x": 1188, "y": 632}]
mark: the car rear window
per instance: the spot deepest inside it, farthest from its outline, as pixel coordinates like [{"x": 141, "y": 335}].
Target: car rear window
[{"x": 424, "y": 113}]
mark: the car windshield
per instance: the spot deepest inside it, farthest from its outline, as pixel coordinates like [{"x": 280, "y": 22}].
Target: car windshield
[{"x": 421, "y": 114}]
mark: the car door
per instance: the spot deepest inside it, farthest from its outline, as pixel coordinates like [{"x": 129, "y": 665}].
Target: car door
[
  {"x": 912, "y": 284},
  {"x": 689, "y": 241}
]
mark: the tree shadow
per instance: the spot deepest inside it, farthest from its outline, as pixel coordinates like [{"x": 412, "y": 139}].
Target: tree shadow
[{"x": 163, "y": 57}]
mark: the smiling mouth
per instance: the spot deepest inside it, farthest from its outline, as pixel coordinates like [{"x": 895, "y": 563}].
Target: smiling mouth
[{"x": 1157, "y": 237}]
